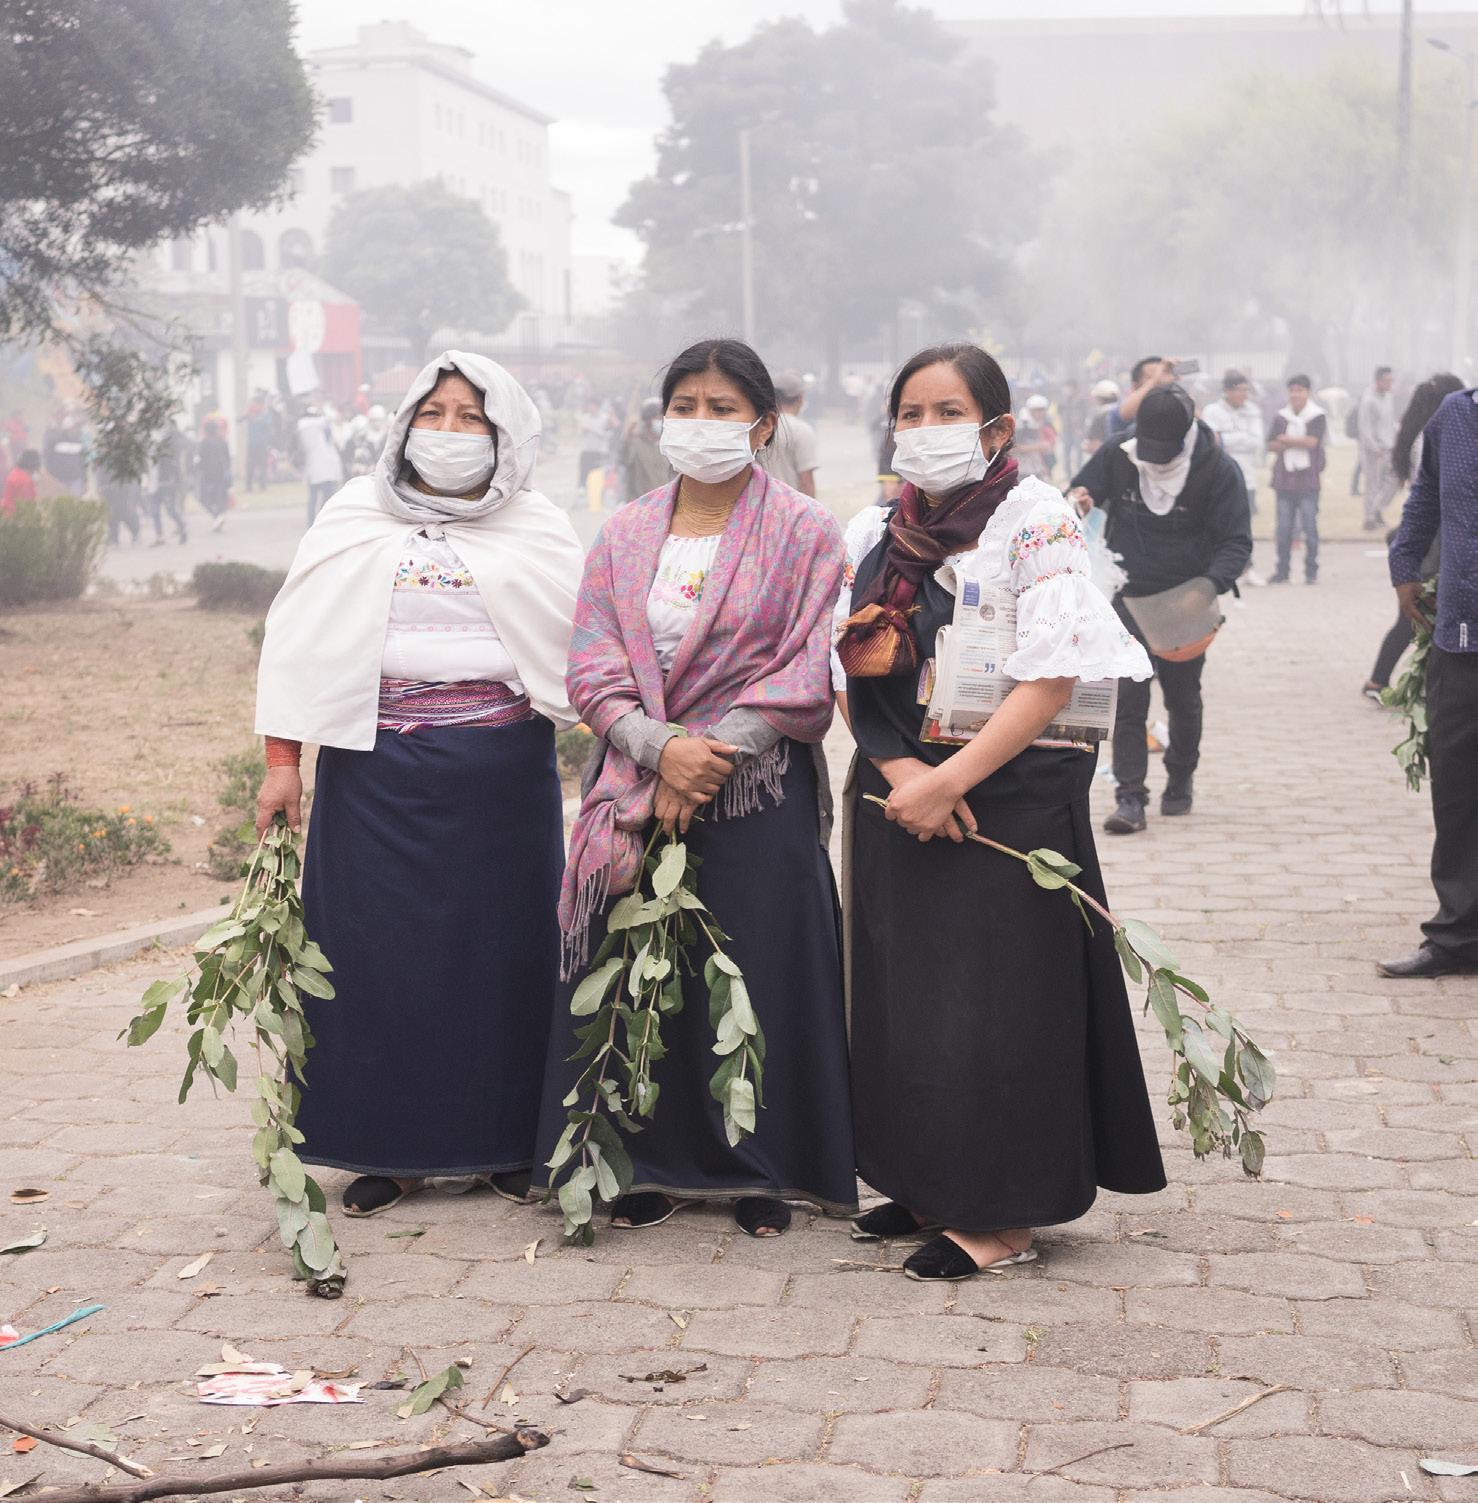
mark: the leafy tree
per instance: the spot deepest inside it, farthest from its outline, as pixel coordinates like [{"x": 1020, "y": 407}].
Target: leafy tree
[
  {"x": 878, "y": 176},
  {"x": 127, "y": 123},
  {"x": 1268, "y": 213},
  {"x": 419, "y": 257}
]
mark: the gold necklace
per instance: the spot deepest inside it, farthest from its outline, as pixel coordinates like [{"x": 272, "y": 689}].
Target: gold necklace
[{"x": 704, "y": 521}]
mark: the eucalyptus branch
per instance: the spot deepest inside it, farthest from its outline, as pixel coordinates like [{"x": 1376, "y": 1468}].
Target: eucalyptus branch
[
  {"x": 1409, "y": 695},
  {"x": 252, "y": 969},
  {"x": 1214, "y": 1090},
  {"x": 633, "y": 982}
]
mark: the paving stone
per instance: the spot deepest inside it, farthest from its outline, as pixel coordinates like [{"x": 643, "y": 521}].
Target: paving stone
[
  {"x": 589, "y": 1327},
  {"x": 1453, "y": 1285},
  {"x": 858, "y": 1385},
  {"x": 1198, "y": 1232},
  {"x": 1035, "y": 1301},
  {"x": 1392, "y": 1324},
  {"x": 733, "y": 1434},
  {"x": 1011, "y": 1488},
  {"x": 548, "y": 1476},
  {"x": 1452, "y": 1372},
  {"x": 1413, "y": 1208},
  {"x": 720, "y": 1286},
  {"x": 863, "y": 1292},
  {"x": 1294, "y": 1275},
  {"x": 924, "y": 1442},
  {"x": 1182, "y": 1402},
  {"x": 1126, "y": 1351},
  {"x": 1321, "y": 1469},
  {"x": 1152, "y": 1457},
  {"x": 1341, "y": 1171},
  {"x": 1123, "y": 1264},
  {"x": 1429, "y": 1421},
  {"x": 809, "y": 1484},
  {"x": 1222, "y": 1311},
  {"x": 546, "y": 1281},
  {"x": 941, "y": 1340},
  {"x": 769, "y": 1333},
  {"x": 1311, "y": 1363},
  {"x": 1348, "y": 1242},
  {"x": 1027, "y": 1391}
]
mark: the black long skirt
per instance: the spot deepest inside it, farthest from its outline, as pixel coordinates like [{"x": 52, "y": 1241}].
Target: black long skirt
[
  {"x": 996, "y": 1078},
  {"x": 769, "y": 884},
  {"x": 431, "y": 882}
]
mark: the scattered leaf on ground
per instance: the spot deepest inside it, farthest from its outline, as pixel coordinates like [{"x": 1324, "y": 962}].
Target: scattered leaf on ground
[
  {"x": 25, "y": 1244},
  {"x": 1284, "y": 1215},
  {"x": 230, "y": 1354},
  {"x": 1435, "y": 1468},
  {"x": 6, "y": 1488},
  {"x": 572, "y": 1397},
  {"x": 408, "y": 1231},
  {"x": 1147, "y": 1231},
  {"x": 680, "y": 1321},
  {"x": 27, "y": 1196},
  {"x": 191, "y": 1269},
  {"x": 532, "y": 1250},
  {"x": 216, "y": 1450},
  {"x": 366, "y": 1445},
  {"x": 582, "y": 1484},
  {"x": 92, "y": 1433},
  {"x": 23, "y": 1443},
  {"x": 508, "y": 1396},
  {"x": 638, "y": 1465}
]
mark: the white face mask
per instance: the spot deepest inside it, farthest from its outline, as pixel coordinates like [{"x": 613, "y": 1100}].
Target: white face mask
[
  {"x": 941, "y": 457},
  {"x": 707, "y": 449},
  {"x": 451, "y": 463}
]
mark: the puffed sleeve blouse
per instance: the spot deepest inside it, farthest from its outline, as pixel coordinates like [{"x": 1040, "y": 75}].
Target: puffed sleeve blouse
[{"x": 1034, "y": 547}]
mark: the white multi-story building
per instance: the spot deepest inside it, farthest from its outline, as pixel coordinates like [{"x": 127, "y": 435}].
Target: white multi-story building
[{"x": 400, "y": 108}]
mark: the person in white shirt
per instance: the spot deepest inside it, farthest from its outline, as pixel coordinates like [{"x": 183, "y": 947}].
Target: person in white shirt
[
  {"x": 792, "y": 453},
  {"x": 1237, "y": 423},
  {"x": 323, "y": 465},
  {"x": 1377, "y": 429}
]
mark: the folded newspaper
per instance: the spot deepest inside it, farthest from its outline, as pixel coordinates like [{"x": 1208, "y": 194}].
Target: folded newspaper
[{"x": 963, "y": 684}]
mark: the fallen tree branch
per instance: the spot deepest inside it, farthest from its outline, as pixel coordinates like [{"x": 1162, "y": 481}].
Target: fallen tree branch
[
  {"x": 503, "y": 1376},
  {"x": 326, "y": 1469},
  {"x": 86, "y": 1447},
  {"x": 1247, "y": 1403}
]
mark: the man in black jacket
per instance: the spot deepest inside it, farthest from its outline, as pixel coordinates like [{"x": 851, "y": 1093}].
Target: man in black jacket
[{"x": 1176, "y": 509}]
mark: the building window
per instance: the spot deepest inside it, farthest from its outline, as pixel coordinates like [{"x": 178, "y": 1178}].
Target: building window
[
  {"x": 179, "y": 255},
  {"x": 295, "y": 180},
  {"x": 341, "y": 179},
  {"x": 340, "y": 111},
  {"x": 253, "y": 252},
  {"x": 294, "y": 249}
]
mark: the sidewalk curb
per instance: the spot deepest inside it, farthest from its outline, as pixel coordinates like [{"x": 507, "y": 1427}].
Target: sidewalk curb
[
  {"x": 64, "y": 962},
  {"x": 83, "y": 955}
]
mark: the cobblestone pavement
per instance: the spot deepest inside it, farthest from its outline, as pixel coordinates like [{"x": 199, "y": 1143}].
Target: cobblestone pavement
[{"x": 1349, "y": 1276}]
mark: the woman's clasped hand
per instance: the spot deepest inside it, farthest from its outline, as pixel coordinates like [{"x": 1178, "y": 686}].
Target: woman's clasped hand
[
  {"x": 691, "y": 771},
  {"x": 925, "y": 800}
]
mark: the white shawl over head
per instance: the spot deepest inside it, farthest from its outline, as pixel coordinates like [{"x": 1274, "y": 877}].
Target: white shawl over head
[{"x": 319, "y": 677}]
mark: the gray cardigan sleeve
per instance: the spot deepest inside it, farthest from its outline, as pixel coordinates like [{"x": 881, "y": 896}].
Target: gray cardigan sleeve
[
  {"x": 746, "y": 729},
  {"x": 640, "y": 737}
]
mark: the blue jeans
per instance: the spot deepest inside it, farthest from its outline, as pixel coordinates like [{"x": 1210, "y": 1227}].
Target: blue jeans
[{"x": 1298, "y": 513}]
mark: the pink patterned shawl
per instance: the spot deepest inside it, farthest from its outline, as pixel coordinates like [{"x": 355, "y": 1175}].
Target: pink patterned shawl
[{"x": 760, "y": 639}]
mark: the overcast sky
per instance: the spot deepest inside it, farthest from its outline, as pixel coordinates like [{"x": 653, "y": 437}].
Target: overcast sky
[{"x": 598, "y": 69}]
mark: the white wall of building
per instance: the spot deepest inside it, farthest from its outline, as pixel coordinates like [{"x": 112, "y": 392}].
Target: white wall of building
[{"x": 400, "y": 108}]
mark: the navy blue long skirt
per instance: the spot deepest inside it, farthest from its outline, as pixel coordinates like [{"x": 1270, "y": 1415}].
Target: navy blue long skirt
[
  {"x": 768, "y": 882},
  {"x": 431, "y": 881}
]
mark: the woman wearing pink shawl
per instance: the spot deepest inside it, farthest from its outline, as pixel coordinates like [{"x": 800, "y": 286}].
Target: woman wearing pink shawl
[{"x": 705, "y": 605}]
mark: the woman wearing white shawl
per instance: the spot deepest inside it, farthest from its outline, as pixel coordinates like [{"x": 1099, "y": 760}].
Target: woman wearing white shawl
[{"x": 420, "y": 642}]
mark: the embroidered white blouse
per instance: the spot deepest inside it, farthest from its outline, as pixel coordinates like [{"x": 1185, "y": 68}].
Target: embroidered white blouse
[
  {"x": 439, "y": 630},
  {"x": 677, "y": 587},
  {"x": 1034, "y": 546}
]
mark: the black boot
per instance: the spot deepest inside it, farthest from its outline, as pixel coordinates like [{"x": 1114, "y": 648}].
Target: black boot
[
  {"x": 1128, "y": 816},
  {"x": 1177, "y": 797}
]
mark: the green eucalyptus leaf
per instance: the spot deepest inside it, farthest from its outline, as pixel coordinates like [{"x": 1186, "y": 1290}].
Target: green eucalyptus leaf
[
  {"x": 591, "y": 991},
  {"x": 1127, "y": 957},
  {"x": 1166, "y": 1006},
  {"x": 670, "y": 869},
  {"x": 316, "y": 1242},
  {"x": 288, "y": 1174},
  {"x": 1202, "y": 1056},
  {"x": 308, "y": 980},
  {"x": 1148, "y": 945}
]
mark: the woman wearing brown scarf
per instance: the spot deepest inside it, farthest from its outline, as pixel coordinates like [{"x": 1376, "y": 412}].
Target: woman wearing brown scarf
[{"x": 996, "y": 1079}]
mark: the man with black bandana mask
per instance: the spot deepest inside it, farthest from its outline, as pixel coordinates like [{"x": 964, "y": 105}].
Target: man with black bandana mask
[{"x": 1177, "y": 515}]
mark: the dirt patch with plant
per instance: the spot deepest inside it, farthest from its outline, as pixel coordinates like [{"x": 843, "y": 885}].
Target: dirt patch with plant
[{"x": 133, "y": 703}]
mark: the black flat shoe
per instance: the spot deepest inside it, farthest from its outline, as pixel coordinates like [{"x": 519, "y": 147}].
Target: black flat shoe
[
  {"x": 762, "y": 1215},
  {"x": 642, "y": 1209},
  {"x": 1426, "y": 964},
  {"x": 372, "y": 1193},
  {"x": 943, "y": 1260},
  {"x": 512, "y": 1184},
  {"x": 887, "y": 1220}
]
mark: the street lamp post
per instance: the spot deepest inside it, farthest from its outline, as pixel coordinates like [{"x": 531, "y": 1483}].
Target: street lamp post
[
  {"x": 1463, "y": 280},
  {"x": 746, "y": 239}
]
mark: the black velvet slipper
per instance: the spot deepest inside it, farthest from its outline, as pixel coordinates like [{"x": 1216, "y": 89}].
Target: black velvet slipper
[
  {"x": 762, "y": 1215},
  {"x": 643, "y": 1208},
  {"x": 512, "y": 1184},
  {"x": 943, "y": 1260},
  {"x": 372, "y": 1193},
  {"x": 887, "y": 1220}
]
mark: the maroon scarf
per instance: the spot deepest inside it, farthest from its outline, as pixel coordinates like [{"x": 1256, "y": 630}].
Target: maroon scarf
[{"x": 876, "y": 639}]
